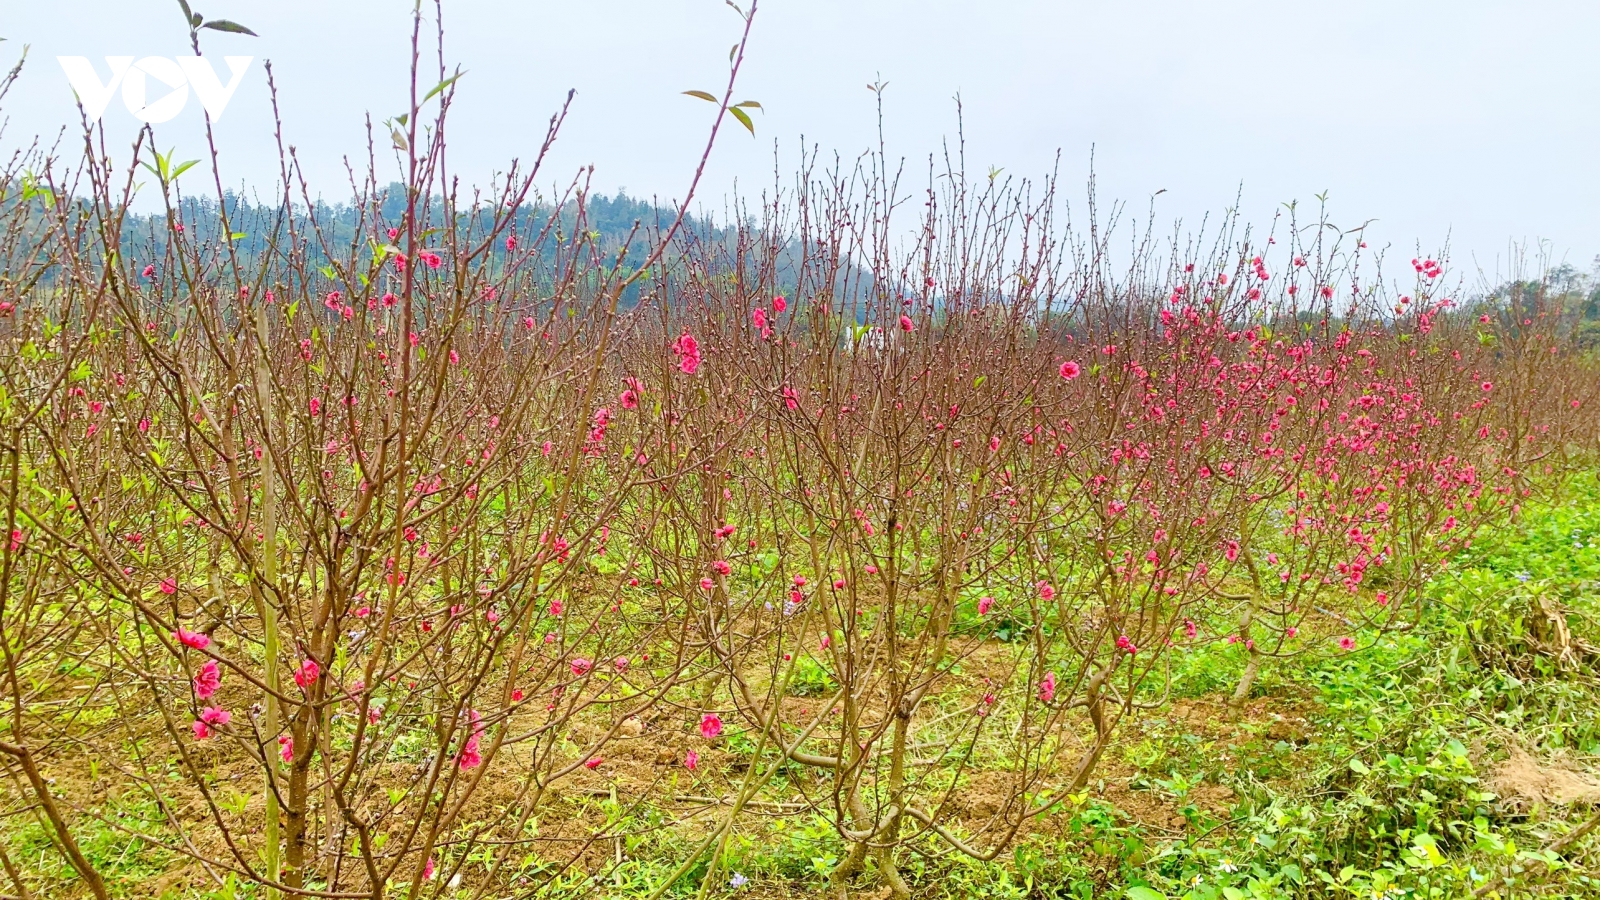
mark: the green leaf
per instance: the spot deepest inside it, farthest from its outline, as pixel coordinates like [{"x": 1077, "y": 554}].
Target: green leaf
[
  {"x": 184, "y": 167},
  {"x": 237, "y": 236},
  {"x": 1140, "y": 892},
  {"x": 1359, "y": 767},
  {"x": 188, "y": 14},
  {"x": 441, "y": 86},
  {"x": 978, "y": 382},
  {"x": 160, "y": 168},
  {"x": 744, "y": 119},
  {"x": 749, "y": 103},
  {"x": 702, "y": 95},
  {"x": 230, "y": 27}
]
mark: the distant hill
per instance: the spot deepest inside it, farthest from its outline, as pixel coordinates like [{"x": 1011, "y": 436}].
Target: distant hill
[{"x": 253, "y": 224}]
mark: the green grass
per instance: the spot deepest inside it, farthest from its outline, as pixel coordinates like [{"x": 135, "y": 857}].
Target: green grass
[{"x": 128, "y": 863}]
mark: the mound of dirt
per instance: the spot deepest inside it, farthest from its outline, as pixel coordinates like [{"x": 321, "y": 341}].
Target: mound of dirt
[{"x": 1523, "y": 782}]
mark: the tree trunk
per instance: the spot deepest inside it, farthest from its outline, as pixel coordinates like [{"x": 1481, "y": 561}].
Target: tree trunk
[{"x": 1241, "y": 692}]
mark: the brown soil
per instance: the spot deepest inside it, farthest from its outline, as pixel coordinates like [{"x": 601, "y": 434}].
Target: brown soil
[{"x": 1524, "y": 782}]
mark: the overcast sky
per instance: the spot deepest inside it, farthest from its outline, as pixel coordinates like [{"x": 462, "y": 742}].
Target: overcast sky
[{"x": 1476, "y": 122}]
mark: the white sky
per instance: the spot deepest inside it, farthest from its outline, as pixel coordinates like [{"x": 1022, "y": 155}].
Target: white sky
[{"x": 1472, "y": 121}]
